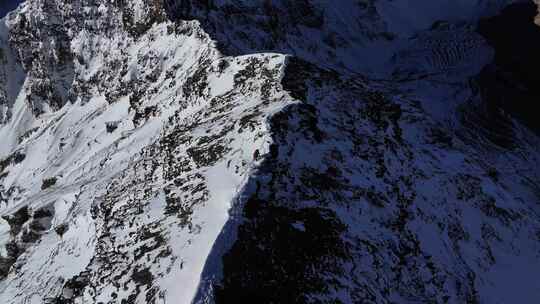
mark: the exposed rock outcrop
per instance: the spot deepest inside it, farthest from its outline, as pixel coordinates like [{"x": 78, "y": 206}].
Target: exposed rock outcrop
[{"x": 225, "y": 151}]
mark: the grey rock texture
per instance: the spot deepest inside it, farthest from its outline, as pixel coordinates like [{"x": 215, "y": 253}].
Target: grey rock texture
[{"x": 282, "y": 151}]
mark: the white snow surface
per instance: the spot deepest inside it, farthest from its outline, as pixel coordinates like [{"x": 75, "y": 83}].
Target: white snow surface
[
  {"x": 72, "y": 145},
  {"x": 150, "y": 137}
]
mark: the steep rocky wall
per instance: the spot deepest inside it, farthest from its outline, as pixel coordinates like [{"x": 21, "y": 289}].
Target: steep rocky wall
[{"x": 148, "y": 156}]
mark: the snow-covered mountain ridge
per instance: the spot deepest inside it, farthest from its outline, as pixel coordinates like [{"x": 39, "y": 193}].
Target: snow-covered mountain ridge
[{"x": 283, "y": 151}]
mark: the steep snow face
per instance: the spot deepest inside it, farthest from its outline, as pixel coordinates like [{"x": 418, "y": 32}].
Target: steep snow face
[
  {"x": 406, "y": 189},
  {"x": 170, "y": 152},
  {"x": 125, "y": 140},
  {"x": 398, "y": 41},
  {"x": 369, "y": 199}
]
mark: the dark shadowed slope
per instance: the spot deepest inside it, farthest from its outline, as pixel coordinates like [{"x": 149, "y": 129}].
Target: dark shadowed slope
[
  {"x": 367, "y": 198},
  {"x": 136, "y": 140},
  {"x": 8, "y": 5},
  {"x": 511, "y": 82}
]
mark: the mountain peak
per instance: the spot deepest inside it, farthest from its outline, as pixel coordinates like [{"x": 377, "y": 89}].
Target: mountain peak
[{"x": 280, "y": 151}]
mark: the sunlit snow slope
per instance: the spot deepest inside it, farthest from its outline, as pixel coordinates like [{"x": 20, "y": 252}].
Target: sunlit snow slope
[
  {"x": 125, "y": 139},
  {"x": 222, "y": 151}
]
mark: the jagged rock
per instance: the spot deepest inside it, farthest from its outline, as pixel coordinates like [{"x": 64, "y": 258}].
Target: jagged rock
[
  {"x": 61, "y": 229},
  {"x": 283, "y": 151}
]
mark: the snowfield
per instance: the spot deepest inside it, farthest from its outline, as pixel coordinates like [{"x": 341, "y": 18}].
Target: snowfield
[{"x": 210, "y": 152}]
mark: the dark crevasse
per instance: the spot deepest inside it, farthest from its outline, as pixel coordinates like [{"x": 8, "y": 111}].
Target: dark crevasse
[
  {"x": 8, "y": 5},
  {"x": 511, "y": 81}
]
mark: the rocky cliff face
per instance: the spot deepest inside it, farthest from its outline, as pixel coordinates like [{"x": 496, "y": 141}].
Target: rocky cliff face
[
  {"x": 130, "y": 135},
  {"x": 223, "y": 151}
]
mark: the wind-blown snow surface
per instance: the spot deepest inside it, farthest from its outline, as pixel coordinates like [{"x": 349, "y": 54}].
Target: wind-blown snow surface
[{"x": 133, "y": 149}]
